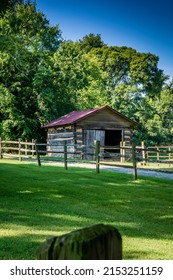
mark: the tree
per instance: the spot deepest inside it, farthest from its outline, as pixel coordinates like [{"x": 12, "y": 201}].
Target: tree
[
  {"x": 126, "y": 65},
  {"x": 145, "y": 74},
  {"x": 134, "y": 86},
  {"x": 78, "y": 79},
  {"x": 156, "y": 118},
  {"x": 26, "y": 41},
  {"x": 43, "y": 77},
  {"x": 91, "y": 41},
  {"x": 11, "y": 4}
]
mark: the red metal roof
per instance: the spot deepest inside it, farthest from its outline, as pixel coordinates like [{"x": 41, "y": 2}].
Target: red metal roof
[
  {"x": 76, "y": 116},
  {"x": 71, "y": 118}
]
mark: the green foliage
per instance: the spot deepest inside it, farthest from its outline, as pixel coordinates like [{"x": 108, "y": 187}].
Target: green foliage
[
  {"x": 10, "y": 4},
  {"x": 43, "y": 77},
  {"x": 91, "y": 41},
  {"x": 26, "y": 41},
  {"x": 157, "y": 118},
  {"x": 78, "y": 77}
]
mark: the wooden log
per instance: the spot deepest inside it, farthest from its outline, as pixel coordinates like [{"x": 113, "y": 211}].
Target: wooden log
[
  {"x": 33, "y": 147},
  {"x": 123, "y": 149},
  {"x": 98, "y": 242},
  {"x": 143, "y": 150},
  {"x": 19, "y": 152},
  {"x": 65, "y": 155},
  {"x": 10, "y": 142},
  {"x": 158, "y": 153},
  {"x": 37, "y": 154},
  {"x": 134, "y": 161},
  {"x": 10, "y": 155},
  {"x": 97, "y": 156},
  {"x": 11, "y": 148},
  {"x": 169, "y": 151}
]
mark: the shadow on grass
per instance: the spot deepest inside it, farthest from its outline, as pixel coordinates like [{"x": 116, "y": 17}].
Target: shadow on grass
[{"x": 20, "y": 247}]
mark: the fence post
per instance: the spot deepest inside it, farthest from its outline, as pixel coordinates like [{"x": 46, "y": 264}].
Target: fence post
[
  {"x": 65, "y": 155},
  {"x": 19, "y": 152},
  {"x": 158, "y": 153},
  {"x": 26, "y": 148},
  {"x": 97, "y": 156},
  {"x": 124, "y": 151},
  {"x": 121, "y": 152},
  {"x": 37, "y": 154},
  {"x": 143, "y": 153},
  {"x": 0, "y": 147},
  {"x": 32, "y": 147},
  {"x": 169, "y": 153},
  {"x": 134, "y": 161}
]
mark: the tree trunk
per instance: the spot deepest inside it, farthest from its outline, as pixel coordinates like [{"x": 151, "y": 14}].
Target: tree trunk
[{"x": 98, "y": 242}]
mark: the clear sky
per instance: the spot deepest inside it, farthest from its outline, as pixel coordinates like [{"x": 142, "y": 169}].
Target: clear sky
[{"x": 145, "y": 25}]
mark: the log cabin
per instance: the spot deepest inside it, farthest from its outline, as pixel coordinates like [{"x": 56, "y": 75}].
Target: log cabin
[{"x": 81, "y": 128}]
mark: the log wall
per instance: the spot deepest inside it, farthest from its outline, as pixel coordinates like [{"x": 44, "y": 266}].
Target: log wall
[
  {"x": 77, "y": 139},
  {"x": 56, "y": 137}
]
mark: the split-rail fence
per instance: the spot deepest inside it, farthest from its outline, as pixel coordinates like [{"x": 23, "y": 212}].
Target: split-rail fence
[{"x": 123, "y": 153}]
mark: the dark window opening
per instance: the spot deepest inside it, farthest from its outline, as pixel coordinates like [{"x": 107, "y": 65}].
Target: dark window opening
[{"x": 113, "y": 138}]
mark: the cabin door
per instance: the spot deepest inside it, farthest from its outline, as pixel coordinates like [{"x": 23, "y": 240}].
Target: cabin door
[{"x": 90, "y": 137}]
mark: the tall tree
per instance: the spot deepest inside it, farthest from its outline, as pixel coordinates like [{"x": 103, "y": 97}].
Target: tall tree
[
  {"x": 26, "y": 41},
  {"x": 78, "y": 78}
]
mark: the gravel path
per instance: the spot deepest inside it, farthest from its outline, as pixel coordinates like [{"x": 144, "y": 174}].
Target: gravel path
[
  {"x": 126, "y": 170},
  {"x": 140, "y": 172}
]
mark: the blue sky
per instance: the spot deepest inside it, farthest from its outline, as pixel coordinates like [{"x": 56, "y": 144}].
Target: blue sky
[{"x": 146, "y": 26}]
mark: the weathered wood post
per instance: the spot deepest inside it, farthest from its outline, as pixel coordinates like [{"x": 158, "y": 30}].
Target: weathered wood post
[
  {"x": 134, "y": 161},
  {"x": 37, "y": 154},
  {"x": 98, "y": 242},
  {"x": 147, "y": 155},
  {"x": 0, "y": 147},
  {"x": 97, "y": 156},
  {"x": 19, "y": 150},
  {"x": 33, "y": 147},
  {"x": 124, "y": 151},
  {"x": 169, "y": 153},
  {"x": 143, "y": 153},
  {"x": 65, "y": 155},
  {"x": 121, "y": 152},
  {"x": 158, "y": 156},
  {"x": 26, "y": 148}
]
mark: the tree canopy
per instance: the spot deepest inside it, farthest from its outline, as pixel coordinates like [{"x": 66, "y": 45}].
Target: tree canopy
[{"x": 43, "y": 77}]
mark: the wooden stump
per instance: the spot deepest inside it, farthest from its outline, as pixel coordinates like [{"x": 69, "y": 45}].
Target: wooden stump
[{"x": 98, "y": 242}]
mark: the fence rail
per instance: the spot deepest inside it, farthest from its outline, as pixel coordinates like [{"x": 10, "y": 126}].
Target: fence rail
[
  {"x": 19, "y": 149},
  {"x": 123, "y": 153}
]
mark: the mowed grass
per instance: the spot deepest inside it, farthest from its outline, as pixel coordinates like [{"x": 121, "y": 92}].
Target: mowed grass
[{"x": 39, "y": 202}]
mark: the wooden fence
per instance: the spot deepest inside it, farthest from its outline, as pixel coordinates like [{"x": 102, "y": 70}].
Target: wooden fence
[
  {"x": 133, "y": 154},
  {"x": 159, "y": 153},
  {"x": 18, "y": 149}
]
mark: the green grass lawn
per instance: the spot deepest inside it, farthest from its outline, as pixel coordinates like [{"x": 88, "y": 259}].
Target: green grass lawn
[{"x": 40, "y": 202}]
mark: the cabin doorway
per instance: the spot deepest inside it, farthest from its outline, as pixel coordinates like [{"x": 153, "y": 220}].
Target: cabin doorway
[{"x": 113, "y": 138}]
